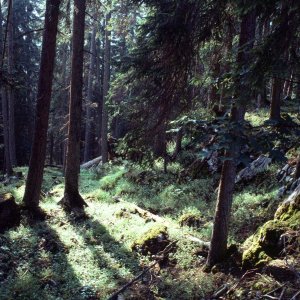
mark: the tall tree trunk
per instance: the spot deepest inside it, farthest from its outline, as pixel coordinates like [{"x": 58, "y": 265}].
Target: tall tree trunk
[
  {"x": 38, "y": 152},
  {"x": 8, "y": 165},
  {"x": 290, "y": 86},
  {"x": 10, "y": 89},
  {"x": 298, "y": 88},
  {"x": 7, "y": 161},
  {"x": 72, "y": 198},
  {"x": 51, "y": 148},
  {"x": 88, "y": 125},
  {"x": 106, "y": 79},
  {"x": 297, "y": 171},
  {"x": 218, "y": 247},
  {"x": 276, "y": 99}
]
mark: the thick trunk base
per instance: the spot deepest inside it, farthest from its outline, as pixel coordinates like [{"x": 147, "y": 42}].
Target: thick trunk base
[
  {"x": 33, "y": 213},
  {"x": 73, "y": 202},
  {"x": 9, "y": 212}
]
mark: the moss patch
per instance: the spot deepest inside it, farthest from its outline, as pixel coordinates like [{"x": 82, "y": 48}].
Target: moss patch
[
  {"x": 266, "y": 244},
  {"x": 153, "y": 241},
  {"x": 191, "y": 220}
]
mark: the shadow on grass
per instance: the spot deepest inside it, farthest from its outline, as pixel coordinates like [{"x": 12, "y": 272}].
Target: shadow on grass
[
  {"x": 119, "y": 263},
  {"x": 40, "y": 268}
]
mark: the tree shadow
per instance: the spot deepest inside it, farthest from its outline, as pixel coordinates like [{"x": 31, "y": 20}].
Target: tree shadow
[
  {"x": 39, "y": 267},
  {"x": 120, "y": 263}
]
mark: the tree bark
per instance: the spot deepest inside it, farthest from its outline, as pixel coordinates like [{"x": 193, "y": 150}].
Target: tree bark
[
  {"x": 88, "y": 127},
  {"x": 8, "y": 165},
  {"x": 7, "y": 162},
  {"x": 297, "y": 171},
  {"x": 10, "y": 90},
  {"x": 218, "y": 247},
  {"x": 38, "y": 153},
  {"x": 72, "y": 199},
  {"x": 106, "y": 79},
  {"x": 275, "y": 113}
]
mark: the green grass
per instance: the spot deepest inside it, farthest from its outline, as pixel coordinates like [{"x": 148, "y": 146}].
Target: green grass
[{"x": 62, "y": 258}]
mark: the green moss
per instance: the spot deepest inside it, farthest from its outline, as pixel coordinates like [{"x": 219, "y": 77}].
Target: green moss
[
  {"x": 153, "y": 241},
  {"x": 191, "y": 220},
  {"x": 255, "y": 256},
  {"x": 264, "y": 244},
  {"x": 152, "y": 233}
]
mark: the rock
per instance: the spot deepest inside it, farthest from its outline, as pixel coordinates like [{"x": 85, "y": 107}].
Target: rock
[
  {"x": 9, "y": 212},
  {"x": 191, "y": 220},
  {"x": 267, "y": 244},
  {"x": 280, "y": 270},
  {"x": 153, "y": 241}
]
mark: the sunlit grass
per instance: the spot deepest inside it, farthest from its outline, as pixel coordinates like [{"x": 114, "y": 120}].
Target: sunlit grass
[{"x": 67, "y": 259}]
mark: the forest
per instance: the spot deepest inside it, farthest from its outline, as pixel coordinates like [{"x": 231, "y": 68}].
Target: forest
[{"x": 149, "y": 149}]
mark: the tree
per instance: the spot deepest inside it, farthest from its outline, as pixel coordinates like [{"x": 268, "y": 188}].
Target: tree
[
  {"x": 72, "y": 199},
  {"x": 276, "y": 97},
  {"x": 38, "y": 154},
  {"x": 88, "y": 127},
  {"x": 106, "y": 80},
  {"x": 10, "y": 86},
  {"x": 7, "y": 161},
  {"x": 218, "y": 247}
]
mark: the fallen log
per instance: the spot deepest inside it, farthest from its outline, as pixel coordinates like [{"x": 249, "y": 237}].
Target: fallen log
[
  {"x": 145, "y": 214},
  {"x": 259, "y": 165},
  {"x": 92, "y": 163}
]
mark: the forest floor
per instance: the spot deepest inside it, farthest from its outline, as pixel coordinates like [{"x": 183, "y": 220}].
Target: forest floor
[
  {"x": 66, "y": 257},
  {"x": 90, "y": 258}
]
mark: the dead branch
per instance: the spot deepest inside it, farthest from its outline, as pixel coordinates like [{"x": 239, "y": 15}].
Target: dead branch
[
  {"x": 159, "y": 257},
  {"x": 220, "y": 292}
]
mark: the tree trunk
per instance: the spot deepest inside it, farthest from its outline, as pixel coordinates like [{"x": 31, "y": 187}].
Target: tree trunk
[
  {"x": 178, "y": 145},
  {"x": 275, "y": 114},
  {"x": 88, "y": 127},
  {"x": 7, "y": 161},
  {"x": 297, "y": 92},
  {"x": 10, "y": 89},
  {"x": 106, "y": 79},
  {"x": 218, "y": 246},
  {"x": 51, "y": 149},
  {"x": 297, "y": 171},
  {"x": 8, "y": 165},
  {"x": 290, "y": 86},
  {"x": 38, "y": 153},
  {"x": 72, "y": 198}
]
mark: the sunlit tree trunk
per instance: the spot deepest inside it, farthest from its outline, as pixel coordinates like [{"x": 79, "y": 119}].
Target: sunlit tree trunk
[
  {"x": 88, "y": 125},
  {"x": 72, "y": 199},
  {"x": 106, "y": 79},
  {"x": 38, "y": 152},
  {"x": 218, "y": 247}
]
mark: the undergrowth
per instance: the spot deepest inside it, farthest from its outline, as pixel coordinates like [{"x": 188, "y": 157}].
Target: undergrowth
[{"x": 63, "y": 258}]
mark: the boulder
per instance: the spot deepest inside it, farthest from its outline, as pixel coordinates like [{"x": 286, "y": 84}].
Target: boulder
[
  {"x": 266, "y": 244},
  {"x": 9, "y": 212},
  {"x": 281, "y": 270}
]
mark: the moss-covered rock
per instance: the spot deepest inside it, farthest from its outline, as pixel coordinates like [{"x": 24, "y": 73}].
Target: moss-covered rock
[
  {"x": 153, "y": 241},
  {"x": 191, "y": 220},
  {"x": 267, "y": 244},
  {"x": 281, "y": 270}
]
